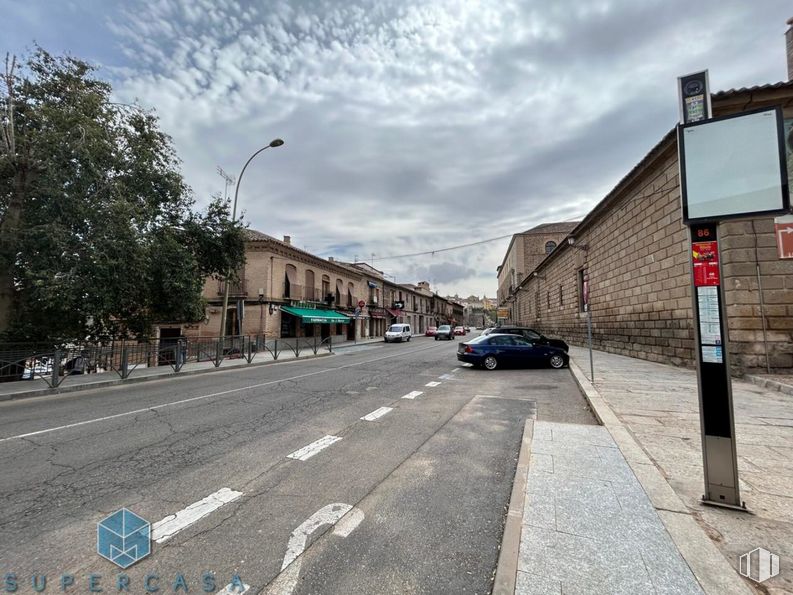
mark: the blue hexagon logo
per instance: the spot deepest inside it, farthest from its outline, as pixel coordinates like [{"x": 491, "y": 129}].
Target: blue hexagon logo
[{"x": 123, "y": 538}]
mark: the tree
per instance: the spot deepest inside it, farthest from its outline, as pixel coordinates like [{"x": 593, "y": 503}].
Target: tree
[{"x": 98, "y": 232}]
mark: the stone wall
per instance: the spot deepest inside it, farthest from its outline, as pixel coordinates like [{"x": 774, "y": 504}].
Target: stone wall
[
  {"x": 747, "y": 246},
  {"x": 638, "y": 264}
]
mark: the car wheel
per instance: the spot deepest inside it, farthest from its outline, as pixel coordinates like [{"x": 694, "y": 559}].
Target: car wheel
[
  {"x": 436, "y": 338},
  {"x": 490, "y": 363},
  {"x": 408, "y": 339},
  {"x": 556, "y": 361}
]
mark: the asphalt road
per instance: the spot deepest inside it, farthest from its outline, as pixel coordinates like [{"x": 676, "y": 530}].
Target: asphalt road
[{"x": 222, "y": 465}]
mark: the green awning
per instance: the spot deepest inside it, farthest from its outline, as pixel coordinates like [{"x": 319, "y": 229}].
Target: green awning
[{"x": 316, "y": 316}]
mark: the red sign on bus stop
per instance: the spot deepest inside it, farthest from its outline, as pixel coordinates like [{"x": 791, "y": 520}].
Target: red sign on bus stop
[
  {"x": 705, "y": 260},
  {"x": 784, "y": 239}
]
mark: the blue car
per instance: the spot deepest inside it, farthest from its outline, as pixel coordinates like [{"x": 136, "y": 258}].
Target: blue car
[{"x": 492, "y": 351}]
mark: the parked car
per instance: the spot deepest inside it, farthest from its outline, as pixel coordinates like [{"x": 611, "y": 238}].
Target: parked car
[
  {"x": 444, "y": 332},
  {"x": 459, "y": 330},
  {"x": 467, "y": 329},
  {"x": 529, "y": 334},
  {"x": 38, "y": 367},
  {"x": 494, "y": 350},
  {"x": 398, "y": 333},
  {"x": 431, "y": 331},
  {"x": 76, "y": 365}
]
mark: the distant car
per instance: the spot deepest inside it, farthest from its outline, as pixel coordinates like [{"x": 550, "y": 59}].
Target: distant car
[
  {"x": 494, "y": 350},
  {"x": 398, "y": 333},
  {"x": 459, "y": 331},
  {"x": 467, "y": 329},
  {"x": 39, "y": 367},
  {"x": 444, "y": 332},
  {"x": 529, "y": 334},
  {"x": 76, "y": 365},
  {"x": 431, "y": 331}
]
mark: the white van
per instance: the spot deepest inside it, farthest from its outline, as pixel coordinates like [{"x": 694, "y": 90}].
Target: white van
[{"x": 398, "y": 332}]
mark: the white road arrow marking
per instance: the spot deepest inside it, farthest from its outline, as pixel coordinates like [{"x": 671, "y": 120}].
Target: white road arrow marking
[
  {"x": 345, "y": 519},
  {"x": 348, "y": 523},
  {"x": 163, "y": 530}
]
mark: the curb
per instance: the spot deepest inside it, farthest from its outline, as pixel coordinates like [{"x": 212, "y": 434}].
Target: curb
[
  {"x": 709, "y": 566},
  {"x": 769, "y": 384},
  {"x": 507, "y": 568},
  {"x": 43, "y": 392}
]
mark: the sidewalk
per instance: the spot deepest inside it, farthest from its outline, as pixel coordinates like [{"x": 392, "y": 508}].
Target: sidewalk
[
  {"x": 588, "y": 526},
  {"x": 617, "y": 508},
  {"x": 38, "y": 387}
]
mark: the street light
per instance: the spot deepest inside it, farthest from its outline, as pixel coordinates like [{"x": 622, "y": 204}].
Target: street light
[{"x": 274, "y": 143}]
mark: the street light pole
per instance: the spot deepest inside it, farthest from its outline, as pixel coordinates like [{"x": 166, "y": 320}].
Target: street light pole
[{"x": 274, "y": 143}]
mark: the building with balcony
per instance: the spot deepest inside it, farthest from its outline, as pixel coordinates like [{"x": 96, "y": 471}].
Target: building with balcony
[{"x": 285, "y": 292}]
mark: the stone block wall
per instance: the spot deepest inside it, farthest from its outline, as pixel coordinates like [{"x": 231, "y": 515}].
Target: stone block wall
[
  {"x": 746, "y": 248},
  {"x": 639, "y": 270}
]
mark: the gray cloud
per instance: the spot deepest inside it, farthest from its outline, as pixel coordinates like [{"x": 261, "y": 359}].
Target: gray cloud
[{"x": 413, "y": 126}]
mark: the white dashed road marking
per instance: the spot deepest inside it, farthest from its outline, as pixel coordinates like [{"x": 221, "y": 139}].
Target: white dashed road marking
[
  {"x": 377, "y": 413},
  {"x": 163, "y": 530},
  {"x": 431, "y": 384},
  {"x": 305, "y": 453},
  {"x": 413, "y": 394},
  {"x": 445, "y": 376}
]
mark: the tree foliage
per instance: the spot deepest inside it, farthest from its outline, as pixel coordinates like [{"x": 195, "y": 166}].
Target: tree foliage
[{"x": 99, "y": 235}]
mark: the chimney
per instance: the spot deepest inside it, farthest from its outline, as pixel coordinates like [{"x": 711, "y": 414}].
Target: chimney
[
  {"x": 288, "y": 240},
  {"x": 330, "y": 259},
  {"x": 789, "y": 43}
]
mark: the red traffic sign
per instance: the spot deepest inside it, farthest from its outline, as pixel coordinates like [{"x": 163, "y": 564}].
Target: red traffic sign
[{"x": 361, "y": 303}]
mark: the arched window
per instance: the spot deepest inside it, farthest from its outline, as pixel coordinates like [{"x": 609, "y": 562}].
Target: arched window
[
  {"x": 325, "y": 288},
  {"x": 291, "y": 289},
  {"x": 309, "y": 290},
  {"x": 550, "y": 246}
]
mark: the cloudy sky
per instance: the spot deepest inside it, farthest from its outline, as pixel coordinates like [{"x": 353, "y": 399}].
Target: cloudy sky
[{"x": 410, "y": 125}]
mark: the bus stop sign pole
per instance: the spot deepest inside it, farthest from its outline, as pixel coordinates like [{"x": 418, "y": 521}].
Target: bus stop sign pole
[{"x": 717, "y": 423}]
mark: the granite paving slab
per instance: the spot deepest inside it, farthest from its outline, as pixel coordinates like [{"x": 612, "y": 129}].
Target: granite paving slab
[{"x": 588, "y": 526}]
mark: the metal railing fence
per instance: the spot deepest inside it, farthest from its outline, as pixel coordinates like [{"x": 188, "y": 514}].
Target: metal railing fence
[{"x": 56, "y": 363}]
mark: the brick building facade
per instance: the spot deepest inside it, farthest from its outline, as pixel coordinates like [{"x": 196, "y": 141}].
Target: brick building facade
[
  {"x": 632, "y": 252},
  {"x": 279, "y": 282}
]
